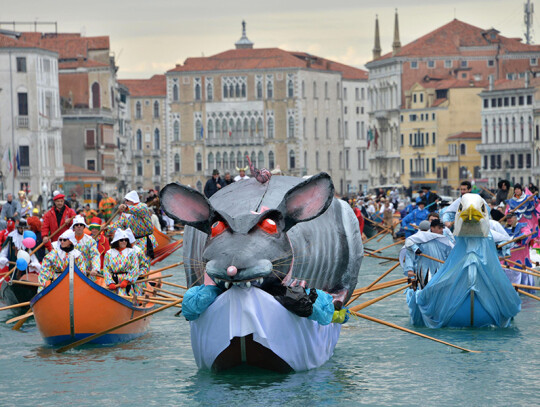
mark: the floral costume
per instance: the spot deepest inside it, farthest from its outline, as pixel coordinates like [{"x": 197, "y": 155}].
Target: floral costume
[
  {"x": 120, "y": 266},
  {"x": 56, "y": 262},
  {"x": 89, "y": 249},
  {"x": 144, "y": 268}
]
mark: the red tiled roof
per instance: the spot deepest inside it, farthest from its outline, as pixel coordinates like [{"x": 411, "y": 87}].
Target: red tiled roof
[
  {"x": 69, "y": 45},
  {"x": 448, "y": 39},
  {"x": 82, "y": 64},
  {"x": 9, "y": 42},
  {"x": 504, "y": 84},
  {"x": 452, "y": 83},
  {"x": 466, "y": 135},
  {"x": 266, "y": 58},
  {"x": 155, "y": 86}
]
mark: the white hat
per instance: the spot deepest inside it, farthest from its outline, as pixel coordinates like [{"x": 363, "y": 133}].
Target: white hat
[
  {"x": 130, "y": 235},
  {"x": 119, "y": 234},
  {"x": 69, "y": 235},
  {"x": 132, "y": 196},
  {"x": 78, "y": 220}
]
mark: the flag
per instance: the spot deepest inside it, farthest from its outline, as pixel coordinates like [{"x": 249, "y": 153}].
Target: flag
[
  {"x": 369, "y": 137},
  {"x": 376, "y": 137},
  {"x": 7, "y": 159},
  {"x": 17, "y": 164}
]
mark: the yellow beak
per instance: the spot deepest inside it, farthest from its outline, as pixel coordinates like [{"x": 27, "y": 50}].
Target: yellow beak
[{"x": 471, "y": 214}]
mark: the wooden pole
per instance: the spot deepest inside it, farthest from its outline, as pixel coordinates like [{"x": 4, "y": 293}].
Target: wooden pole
[
  {"x": 431, "y": 258},
  {"x": 20, "y": 323},
  {"x": 519, "y": 206},
  {"x": 521, "y": 265},
  {"x": 358, "y": 307},
  {"x": 391, "y": 325},
  {"x": 527, "y": 287},
  {"x": 175, "y": 285},
  {"x": 20, "y": 304},
  {"x": 381, "y": 257},
  {"x": 487, "y": 190},
  {"x": 355, "y": 297},
  {"x": 162, "y": 269},
  {"x": 377, "y": 224},
  {"x": 528, "y": 294},
  {"x": 374, "y": 236},
  {"x": 97, "y": 335},
  {"x": 380, "y": 286},
  {"x": 25, "y": 316},
  {"x": 168, "y": 292},
  {"x": 514, "y": 240},
  {"x": 104, "y": 227},
  {"x": 390, "y": 245}
]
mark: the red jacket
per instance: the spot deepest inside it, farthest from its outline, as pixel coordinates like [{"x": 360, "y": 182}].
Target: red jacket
[
  {"x": 360, "y": 218},
  {"x": 50, "y": 225}
]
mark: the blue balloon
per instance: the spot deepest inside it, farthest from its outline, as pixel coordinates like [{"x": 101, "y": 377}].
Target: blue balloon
[
  {"x": 22, "y": 264},
  {"x": 29, "y": 233}
]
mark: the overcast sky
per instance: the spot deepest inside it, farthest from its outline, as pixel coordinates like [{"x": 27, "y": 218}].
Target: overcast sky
[{"x": 150, "y": 36}]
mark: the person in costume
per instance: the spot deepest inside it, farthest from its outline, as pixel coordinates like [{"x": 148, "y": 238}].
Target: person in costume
[
  {"x": 431, "y": 242},
  {"x": 430, "y": 198},
  {"x": 26, "y": 205},
  {"x": 56, "y": 261},
  {"x": 136, "y": 216},
  {"x": 106, "y": 206},
  {"x": 526, "y": 213},
  {"x": 414, "y": 218},
  {"x": 55, "y": 217},
  {"x": 241, "y": 174},
  {"x": 121, "y": 265},
  {"x": 10, "y": 227},
  {"x": 144, "y": 266},
  {"x": 34, "y": 224},
  {"x": 87, "y": 246},
  {"x": 11, "y": 247},
  {"x": 102, "y": 241},
  {"x": 449, "y": 214}
]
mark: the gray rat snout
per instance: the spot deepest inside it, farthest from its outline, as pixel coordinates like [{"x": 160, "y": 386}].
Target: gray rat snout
[{"x": 225, "y": 274}]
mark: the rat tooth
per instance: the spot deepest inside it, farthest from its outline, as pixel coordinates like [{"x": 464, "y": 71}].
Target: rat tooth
[
  {"x": 260, "y": 280},
  {"x": 248, "y": 284},
  {"x": 227, "y": 284}
]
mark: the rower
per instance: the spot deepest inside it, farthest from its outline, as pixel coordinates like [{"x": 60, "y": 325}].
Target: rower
[
  {"x": 137, "y": 217},
  {"x": 121, "y": 264},
  {"x": 12, "y": 245},
  {"x": 414, "y": 218},
  {"x": 102, "y": 241},
  {"x": 56, "y": 261},
  {"x": 144, "y": 266},
  {"x": 87, "y": 246}
]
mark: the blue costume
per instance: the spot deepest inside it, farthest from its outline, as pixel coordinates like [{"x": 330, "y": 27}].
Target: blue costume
[{"x": 415, "y": 217}]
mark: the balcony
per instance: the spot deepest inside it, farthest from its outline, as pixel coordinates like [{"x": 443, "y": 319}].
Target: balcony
[
  {"x": 138, "y": 154},
  {"x": 417, "y": 174},
  {"x": 156, "y": 153},
  {"x": 156, "y": 179},
  {"x": 138, "y": 179},
  {"x": 25, "y": 172},
  {"x": 504, "y": 147},
  {"x": 447, "y": 158},
  {"x": 234, "y": 141},
  {"x": 22, "y": 122},
  {"x": 87, "y": 112}
]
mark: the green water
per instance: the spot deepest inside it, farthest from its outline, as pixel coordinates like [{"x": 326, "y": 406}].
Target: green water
[{"x": 372, "y": 365}]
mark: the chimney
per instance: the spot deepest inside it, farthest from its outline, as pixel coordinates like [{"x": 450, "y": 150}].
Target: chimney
[
  {"x": 490, "y": 82},
  {"x": 396, "y": 45},
  {"x": 377, "y": 47}
]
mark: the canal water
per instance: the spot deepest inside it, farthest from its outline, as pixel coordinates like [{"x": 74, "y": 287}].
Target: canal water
[{"x": 372, "y": 365}]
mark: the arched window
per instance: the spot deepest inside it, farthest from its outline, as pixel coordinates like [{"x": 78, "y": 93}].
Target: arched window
[
  {"x": 198, "y": 130},
  {"x": 243, "y": 90},
  {"x": 210, "y": 128},
  {"x": 494, "y": 128},
  {"x": 157, "y": 168},
  {"x": 237, "y": 88},
  {"x": 177, "y": 162},
  {"x": 270, "y": 127},
  {"x": 231, "y": 160},
  {"x": 246, "y": 128},
  {"x": 139, "y": 169},
  {"x": 197, "y": 91},
  {"x": 156, "y": 109},
  {"x": 291, "y": 126},
  {"x": 175, "y": 93},
  {"x": 199, "y": 186},
  {"x": 224, "y": 128},
  {"x": 225, "y": 161},
  {"x": 225, "y": 91},
  {"x": 231, "y": 90},
  {"x": 259, "y": 127},
  {"x": 339, "y": 128},
  {"x": 259, "y": 90},
  {"x": 260, "y": 159},
  {"x": 218, "y": 160},
  {"x": 254, "y": 159},
  {"x": 238, "y": 127},
  {"x": 513, "y": 129},
  {"x": 139, "y": 139},
  {"x": 218, "y": 128},
  {"x": 521, "y": 129},
  {"x": 271, "y": 162},
  {"x": 210, "y": 92},
  {"x": 486, "y": 131},
  {"x": 96, "y": 96},
  {"x": 239, "y": 161},
  {"x": 232, "y": 129},
  {"x": 176, "y": 131},
  {"x": 500, "y": 130},
  {"x": 506, "y": 130},
  {"x": 138, "y": 110},
  {"x": 252, "y": 128},
  {"x": 156, "y": 140},
  {"x": 269, "y": 90},
  {"x": 292, "y": 162},
  {"x": 290, "y": 88},
  {"x": 199, "y": 162},
  {"x": 530, "y": 128},
  {"x": 463, "y": 149},
  {"x": 245, "y": 158},
  {"x": 211, "y": 161}
]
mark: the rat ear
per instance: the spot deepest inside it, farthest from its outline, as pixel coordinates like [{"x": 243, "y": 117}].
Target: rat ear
[
  {"x": 187, "y": 205},
  {"x": 307, "y": 200}
]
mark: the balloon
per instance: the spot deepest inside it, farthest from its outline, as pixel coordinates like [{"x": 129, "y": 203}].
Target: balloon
[
  {"x": 28, "y": 242},
  {"x": 23, "y": 255},
  {"x": 22, "y": 264},
  {"x": 29, "y": 233}
]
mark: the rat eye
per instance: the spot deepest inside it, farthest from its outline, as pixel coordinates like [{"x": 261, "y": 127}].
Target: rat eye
[
  {"x": 269, "y": 226},
  {"x": 218, "y": 228}
]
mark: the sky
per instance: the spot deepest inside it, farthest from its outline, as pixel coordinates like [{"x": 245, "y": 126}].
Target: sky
[{"x": 149, "y": 37}]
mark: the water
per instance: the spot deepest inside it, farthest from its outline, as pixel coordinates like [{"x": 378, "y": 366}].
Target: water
[{"x": 372, "y": 365}]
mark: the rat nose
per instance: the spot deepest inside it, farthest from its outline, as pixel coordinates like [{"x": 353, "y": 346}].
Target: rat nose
[{"x": 231, "y": 271}]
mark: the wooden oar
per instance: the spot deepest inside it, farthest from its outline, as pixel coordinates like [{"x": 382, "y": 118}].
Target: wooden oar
[
  {"x": 390, "y": 245},
  {"x": 168, "y": 292},
  {"x": 523, "y": 271},
  {"x": 374, "y": 236},
  {"x": 391, "y": 325},
  {"x": 25, "y": 316},
  {"x": 20, "y": 304},
  {"x": 487, "y": 190},
  {"x": 104, "y": 227},
  {"x": 381, "y": 257},
  {"x": 163, "y": 296},
  {"x": 527, "y": 287},
  {"x": 20, "y": 323},
  {"x": 375, "y": 282},
  {"x": 377, "y": 224},
  {"x": 431, "y": 258},
  {"x": 97, "y": 335},
  {"x": 162, "y": 269},
  {"x": 39, "y": 247},
  {"x": 152, "y": 300},
  {"x": 175, "y": 285},
  {"x": 380, "y": 286},
  {"x": 520, "y": 265},
  {"x": 528, "y": 294},
  {"x": 23, "y": 282},
  {"x": 514, "y": 240},
  {"x": 358, "y": 307}
]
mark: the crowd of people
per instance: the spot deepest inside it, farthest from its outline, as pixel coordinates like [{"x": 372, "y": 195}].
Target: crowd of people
[{"x": 113, "y": 251}]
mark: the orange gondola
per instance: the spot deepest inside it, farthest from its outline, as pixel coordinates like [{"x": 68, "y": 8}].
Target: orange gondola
[{"x": 73, "y": 307}]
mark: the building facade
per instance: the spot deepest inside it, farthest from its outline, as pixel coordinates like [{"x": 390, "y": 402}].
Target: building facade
[{"x": 30, "y": 118}]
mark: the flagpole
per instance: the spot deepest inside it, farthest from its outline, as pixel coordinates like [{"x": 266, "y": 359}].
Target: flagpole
[{"x": 12, "y": 119}]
